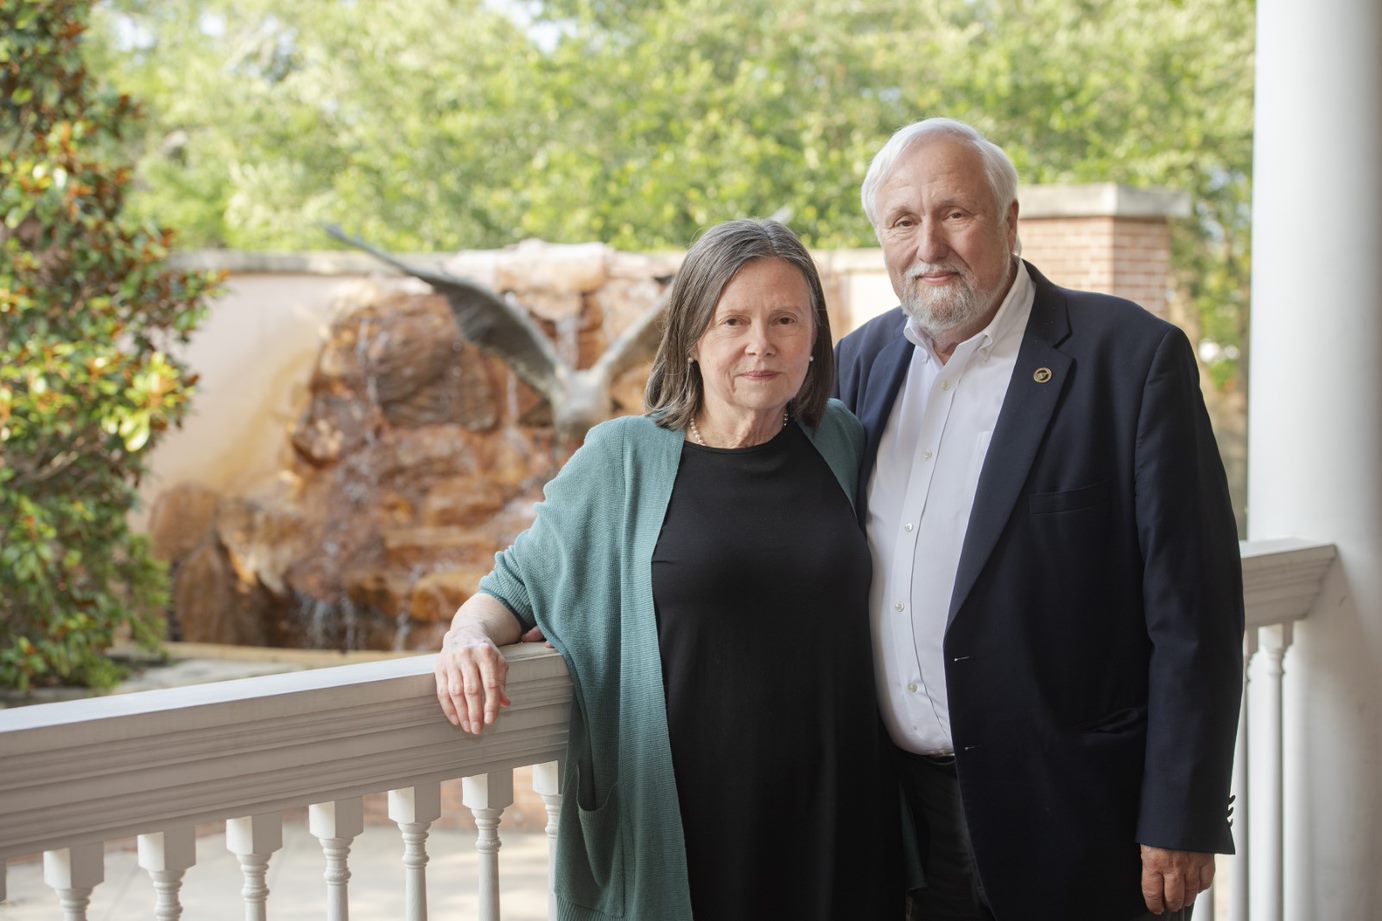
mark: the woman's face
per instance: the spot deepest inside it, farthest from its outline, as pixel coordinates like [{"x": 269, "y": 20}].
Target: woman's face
[{"x": 755, "y": 353}]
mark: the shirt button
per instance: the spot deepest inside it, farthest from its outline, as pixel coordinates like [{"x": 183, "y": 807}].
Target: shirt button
[
  {"x": 899, "y": 606},
  {"x": 907, "y": 527},
  {"x": 912, "y": 687},
  {"x": 945, "y": 385},
  {"x": 926, "y": 455}
]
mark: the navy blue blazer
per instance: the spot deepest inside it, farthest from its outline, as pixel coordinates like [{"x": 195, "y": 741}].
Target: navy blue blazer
[{"x": 1093, "y": 650}]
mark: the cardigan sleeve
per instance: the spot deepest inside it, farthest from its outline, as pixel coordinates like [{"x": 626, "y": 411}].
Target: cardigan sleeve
[{"x": 544, "y": 573}]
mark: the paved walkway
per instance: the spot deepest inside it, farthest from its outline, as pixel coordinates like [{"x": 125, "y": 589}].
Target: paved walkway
[{"x": 211, "y": 889}]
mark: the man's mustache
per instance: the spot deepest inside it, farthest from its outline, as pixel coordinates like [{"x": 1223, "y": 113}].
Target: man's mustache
[{"x": 933, "y": 268}]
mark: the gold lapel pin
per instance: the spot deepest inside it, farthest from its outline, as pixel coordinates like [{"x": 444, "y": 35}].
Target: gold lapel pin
[{"x": 1041, "y": 375}]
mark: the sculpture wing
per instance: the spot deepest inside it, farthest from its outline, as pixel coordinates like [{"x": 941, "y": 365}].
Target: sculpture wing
[
  {"x": 485, "y": 319},
  {"x": 637, "y": 342}
]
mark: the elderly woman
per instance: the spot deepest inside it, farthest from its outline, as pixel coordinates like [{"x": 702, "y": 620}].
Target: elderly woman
[{"x": 702, "y": 571}]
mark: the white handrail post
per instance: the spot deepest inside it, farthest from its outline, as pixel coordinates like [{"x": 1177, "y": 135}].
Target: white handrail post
[
  {"x": 414, "y": 809},
  {"x": 73, "y": 872},
  {"x": 547, "y": 784},
  {"x": 335, "y": 825},
  {"x": 1267, "y": 782},
  {"x": 487, "y": 796},
  {"x": 253, "y": 839},
  {"x": 166, "y": 855},
  {"x": 1242, "y": 839}
]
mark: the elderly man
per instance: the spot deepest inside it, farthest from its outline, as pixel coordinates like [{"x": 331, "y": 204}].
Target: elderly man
[{"x": 1057, "y": 595}]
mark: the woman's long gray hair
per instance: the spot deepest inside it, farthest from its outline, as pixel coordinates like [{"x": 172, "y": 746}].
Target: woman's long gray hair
[{"x": 675, "y": 391}]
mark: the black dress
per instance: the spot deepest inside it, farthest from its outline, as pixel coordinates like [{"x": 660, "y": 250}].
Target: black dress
[{"x": 761, "y": 585}]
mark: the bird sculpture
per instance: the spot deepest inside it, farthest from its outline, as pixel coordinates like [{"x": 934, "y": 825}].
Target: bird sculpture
[{"x": 579, "y": 398}]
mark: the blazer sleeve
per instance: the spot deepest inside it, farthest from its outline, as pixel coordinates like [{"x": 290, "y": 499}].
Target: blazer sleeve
[{"x": 1193, "y": 599}]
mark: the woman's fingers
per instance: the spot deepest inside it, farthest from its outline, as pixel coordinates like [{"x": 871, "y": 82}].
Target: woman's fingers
[
  {"x": 494, "y": 675},
  {"x": 443, "y": 679},
  {"x": 471, "y": 675}
]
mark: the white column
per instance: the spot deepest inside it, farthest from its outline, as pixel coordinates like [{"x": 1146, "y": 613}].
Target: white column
[
  {"x": 73, "y": 872},
  {"x": 335, "y": 825},
  {"x": 166, "y": 855},
  {"x": 253, "y": 839},
  {"x": 1315, "y": 427},
  {"x": 487, "y": 796},
  {"x": 414, "y": 809},
  {"x": 547, "y": 784}
]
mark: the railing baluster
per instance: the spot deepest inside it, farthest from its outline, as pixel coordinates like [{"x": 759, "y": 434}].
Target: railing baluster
[
  {"x": 487, "y": 795},
  {"x": 335, "y": 825},
  {"x": 166, "y": 855},
  {"x": 547, "y": 784},
  {"x": 414, "y": 809},
  {"x": 73, "y": 872},
  {"x": 253, "y": 839},
  {"x": 1242, "y": 839},
  {"x": 1275, "y": 641}
]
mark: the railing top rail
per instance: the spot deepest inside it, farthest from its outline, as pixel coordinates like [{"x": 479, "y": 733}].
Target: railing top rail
[
  {"x": 95, "y": 769},
  {"x": 1282, "y": 578},
  {"x": 288, "y": 685}
]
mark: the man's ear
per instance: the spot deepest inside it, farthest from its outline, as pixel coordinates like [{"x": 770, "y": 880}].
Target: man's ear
[{"x": 1011, "y": 221}]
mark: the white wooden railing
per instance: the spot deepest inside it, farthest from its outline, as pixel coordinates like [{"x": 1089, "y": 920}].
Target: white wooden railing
[
  {"x": 154, "y": 764},
  {"x": 73, "y": 775},
  {"x": 1281, "y": 580}
]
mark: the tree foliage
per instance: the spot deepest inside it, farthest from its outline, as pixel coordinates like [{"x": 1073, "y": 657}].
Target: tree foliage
[
  {"x": 463, "y": 123},
  {"x": 87, "y": 382}
]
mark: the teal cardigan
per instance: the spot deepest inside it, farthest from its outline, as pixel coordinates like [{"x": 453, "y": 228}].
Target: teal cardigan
[{"x": 583, "y": 573}]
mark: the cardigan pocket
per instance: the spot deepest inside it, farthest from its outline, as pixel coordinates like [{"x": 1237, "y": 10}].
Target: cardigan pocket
[{"x": 591, "y": 863}]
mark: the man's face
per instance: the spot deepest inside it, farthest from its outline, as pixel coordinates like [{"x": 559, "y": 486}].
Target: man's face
[{"x": 948, "y": 250}]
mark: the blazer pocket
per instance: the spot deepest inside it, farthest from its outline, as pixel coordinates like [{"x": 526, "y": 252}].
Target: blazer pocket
[
  {"x": 1068, "y": 500},
  {"x": 1124, "y": 720}
]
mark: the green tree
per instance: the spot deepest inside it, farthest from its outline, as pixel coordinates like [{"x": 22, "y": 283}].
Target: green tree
[
  {"x": 87, "y": 382},
  {"x": 461, "y": 123}
]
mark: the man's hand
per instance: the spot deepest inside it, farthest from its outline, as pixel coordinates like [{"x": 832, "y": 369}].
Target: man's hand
[{"x": 1172, "y": 879}]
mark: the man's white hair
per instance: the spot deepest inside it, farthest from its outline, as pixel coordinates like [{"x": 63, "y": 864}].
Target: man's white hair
[{"x": 998, "y": 169}]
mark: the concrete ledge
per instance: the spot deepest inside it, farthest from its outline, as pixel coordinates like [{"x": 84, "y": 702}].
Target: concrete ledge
[
  {"x": 327, "y": 262},
  {"x": 1101, "y": 199}
]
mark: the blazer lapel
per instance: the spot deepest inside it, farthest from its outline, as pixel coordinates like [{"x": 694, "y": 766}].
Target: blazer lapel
[
  {"x": 888, "y": 371},
  {"x": 1039, "y": 378}
]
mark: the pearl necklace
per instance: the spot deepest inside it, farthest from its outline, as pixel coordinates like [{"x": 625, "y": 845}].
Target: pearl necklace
[{"x": 696, "y": 433}]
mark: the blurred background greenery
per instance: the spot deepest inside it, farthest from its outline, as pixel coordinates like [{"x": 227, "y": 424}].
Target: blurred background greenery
[{"x": 449, "y": 124}]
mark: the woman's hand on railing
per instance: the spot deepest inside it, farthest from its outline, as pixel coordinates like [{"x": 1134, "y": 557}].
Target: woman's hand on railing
[{"x": 471, "y": 672}]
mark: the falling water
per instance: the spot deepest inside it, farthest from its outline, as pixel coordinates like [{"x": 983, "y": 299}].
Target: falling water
[{"x": 568, "y": 340}]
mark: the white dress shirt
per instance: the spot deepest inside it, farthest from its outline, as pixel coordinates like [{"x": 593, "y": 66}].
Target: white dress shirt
[{"x": 920, "y": 495}]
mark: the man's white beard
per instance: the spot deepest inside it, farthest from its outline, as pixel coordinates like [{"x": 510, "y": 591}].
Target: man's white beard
[{"x": 942, "y": 310}]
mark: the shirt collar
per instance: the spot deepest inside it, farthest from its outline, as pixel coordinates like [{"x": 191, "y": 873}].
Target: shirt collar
[{"x": 1019, "y": 294}]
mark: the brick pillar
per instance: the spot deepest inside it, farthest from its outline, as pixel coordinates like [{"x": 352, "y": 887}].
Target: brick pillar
[{"x": 1103, "y": 237}]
